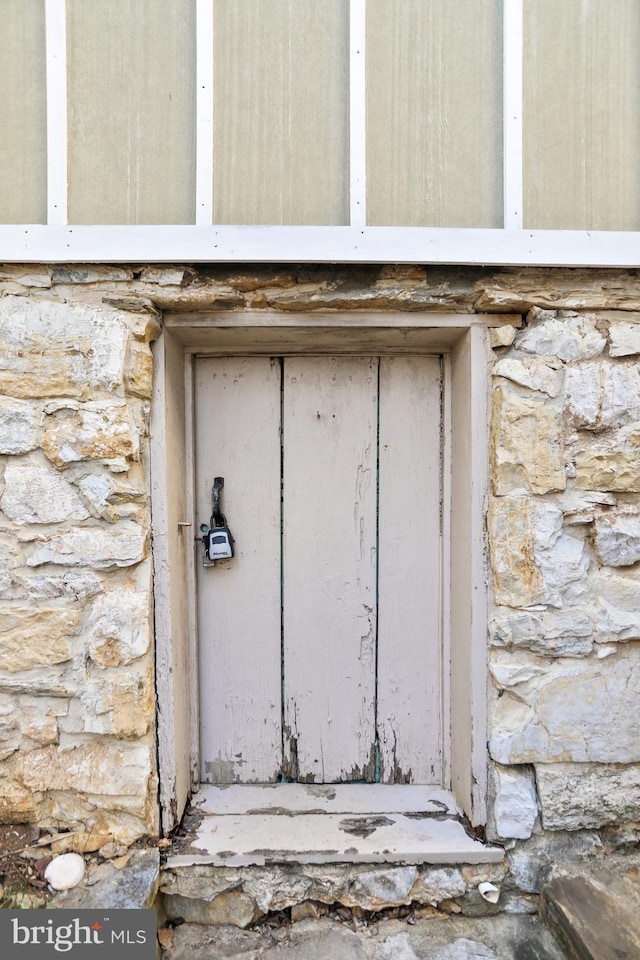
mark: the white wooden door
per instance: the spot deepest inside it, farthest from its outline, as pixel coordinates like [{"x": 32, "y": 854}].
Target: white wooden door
[{"x": 320, "y": 652}]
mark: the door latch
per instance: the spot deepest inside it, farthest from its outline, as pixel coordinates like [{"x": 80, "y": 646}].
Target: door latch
[{"x": 217, "y": 538}]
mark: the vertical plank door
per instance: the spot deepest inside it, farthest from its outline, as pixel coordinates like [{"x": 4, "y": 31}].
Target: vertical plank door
[
  {"x": 409, "y": 653},
  {"x": 329, "y": 566},
  {"x": 237, "y": 414}
]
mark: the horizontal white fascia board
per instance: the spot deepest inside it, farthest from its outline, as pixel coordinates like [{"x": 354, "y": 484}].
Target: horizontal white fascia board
[{"x": 262, "y": 244}]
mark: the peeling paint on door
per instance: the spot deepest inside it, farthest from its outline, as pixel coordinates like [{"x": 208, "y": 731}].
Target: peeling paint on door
[{"x": 345, "y": 572}]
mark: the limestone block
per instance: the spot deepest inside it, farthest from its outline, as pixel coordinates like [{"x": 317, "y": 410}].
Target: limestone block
[
  {"x": 10, "y": 733},
  {"x": 533, "y": 560},
  {"x": 36, "y": 493},
  {"x": 93, "y": 431},
  {"x": 567, "y": 336},
  {"x": 614, "y": 467},
  {"x": 119, "y": 627},
  {"x": 436, "y": 884},
  {"x": 581, "y": 710},
  {"x": 93, "y": 547},
  {"x": 618, "y": 588},
  {"x": 545, "y": 376},
  {"x": 617, "y": 540},
  {"x": 107, "y": 495},
  {"x": 100, "y": 768},
  {"x": 19, "y": 804},
  {"x": 277, "y": 888},
  {"x": 610, "y": 463},
  {"x": 508, "y": 671},
  {"x": 530, "y": 860},
  {"x": 551, "y": 633},
  {"x": 96, "y": 489},
  {"x": 89, "y": 274},
  {"x": 73, "y": 585},
  {"x": 138, "y": 370},
  {"x": 40, "y": 728},
  {"x": 52, "y": 349},
  {"x": 624, "y": 339},
  {"x": 27, "y": 275},
  {"x": 32, "y": 637},
  {"x": 579, "y": 507},
  {"x": 517, "y": 579},
  {"x": 579, "y": 796},
  {"x": 381, "y": 888},
  {"x": 502, "y": 336},
  {"x": 20, "y": 423},
  {"x": 526, "y": 447},
  {"x": 234, "y": 907},
  {"x": 561, "y": 557},
  {"x": 10, "y": 558},
  {"x": 613, "y": 624},
  {"x": 602, "y": 395},
  {"x": 122, "y": 706},
  {"x": 166, "y": 276},
  {"x": 143, "y": 317},
  {"x": 618, "y": 593},
  {"x": 43, "y": 681},
  {"x": 513, "y": 802},
  {"x": 202, "y": 884}
]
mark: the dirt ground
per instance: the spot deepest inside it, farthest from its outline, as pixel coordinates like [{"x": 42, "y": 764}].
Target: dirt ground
[{"x": 22, "y": 881}]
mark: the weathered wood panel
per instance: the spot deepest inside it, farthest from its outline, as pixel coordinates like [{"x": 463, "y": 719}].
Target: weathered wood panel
[
  {"x": 131, "y": 81},
  {"x": 281, "y": 112},
  {"x": 23, "y": 124},
  {"x": 582, "y": 115},
  {"x": 409, "y": 591},
  {"x": 239, "y": 628},
  {"x": 434, "y": 113},
  {"x": 329, "y": 490}
]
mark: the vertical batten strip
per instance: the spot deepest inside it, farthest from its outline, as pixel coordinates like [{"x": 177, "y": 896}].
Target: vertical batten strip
[
  {"x": 512, "y": 115},
  {"x": 204, "y": 108},
  {"x": 56, "y": 61},
  {"x": 357, "y": 114}
]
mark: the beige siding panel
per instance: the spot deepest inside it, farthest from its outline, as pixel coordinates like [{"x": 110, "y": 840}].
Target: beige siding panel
[
  {"x": 131, "y": 79},
  {"x": 582, "y": 115},
  {"x": 434, "y": 113},
  {"x": 239, "y": 629},
  {"x": 329, "y": 493},
  {"x": 409, "y": 654},
  {"x": 281, "y": 112},
  {"x": 23, "y": 128}
]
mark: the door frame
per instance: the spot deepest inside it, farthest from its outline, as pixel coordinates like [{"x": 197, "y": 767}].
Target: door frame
[{"x": 463, "y": 341}]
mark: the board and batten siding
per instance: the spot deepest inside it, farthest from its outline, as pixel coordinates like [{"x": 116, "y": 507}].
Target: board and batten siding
[
  {"x": 281, "y": 112},
  {"x": 582, "y": 115},
  {"x": 131, "y": 118},
  {"x": 382, "y": 123},
  {"x": 434, "y": 113},
  {"x": 23, "y": 113}
]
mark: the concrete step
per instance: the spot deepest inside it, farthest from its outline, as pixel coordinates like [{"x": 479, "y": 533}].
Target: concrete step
[
  {"x": 346, "y": 823},
  {"x": 594, "y": 909}
]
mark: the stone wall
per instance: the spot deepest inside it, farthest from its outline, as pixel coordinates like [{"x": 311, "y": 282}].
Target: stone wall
[
  {"x": 77, "y": 703},
  {"x": 76, "y": 664}
]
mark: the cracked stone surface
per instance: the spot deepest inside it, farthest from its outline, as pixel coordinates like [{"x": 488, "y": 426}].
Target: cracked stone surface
[{"x": 449, "y": 938}]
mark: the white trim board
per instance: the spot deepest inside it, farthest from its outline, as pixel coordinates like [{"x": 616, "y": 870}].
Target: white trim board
[
  {"x": 512, "y": 113},
  {"x": 261, "y": 244},
  {"x": 56, "y": 71}
]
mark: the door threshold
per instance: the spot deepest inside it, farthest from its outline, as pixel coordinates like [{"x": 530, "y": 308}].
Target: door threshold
[{"x": 243, "y": 825}]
